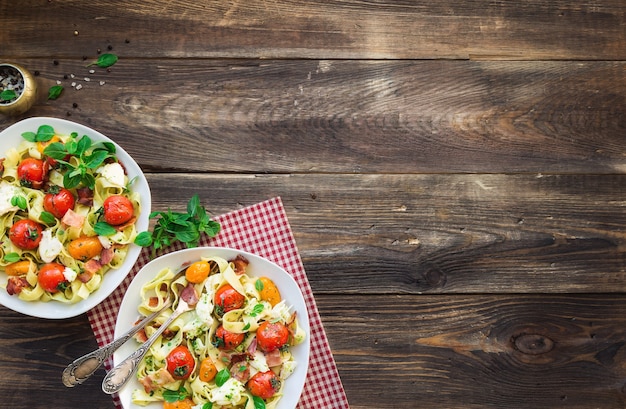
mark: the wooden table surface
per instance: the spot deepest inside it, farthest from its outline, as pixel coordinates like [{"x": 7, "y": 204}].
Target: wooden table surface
[{"x": 454, "y": 174}]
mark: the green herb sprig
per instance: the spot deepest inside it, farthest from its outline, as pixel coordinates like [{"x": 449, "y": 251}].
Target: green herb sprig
[
  {"x": 89, "y": 157},
  {"x": 174, "y": 396},
  {"x": 180, "y": 227}
]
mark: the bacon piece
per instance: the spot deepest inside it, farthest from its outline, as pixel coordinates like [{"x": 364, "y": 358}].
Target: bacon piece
[
  {"x": 121, "y": 227},
  {"x": 156, "y": 380},
  {"x": 141, "y": 336},
  {"x": 273, "y": 358},
  {"x": 91, "y": 267},
  {"x": 106, "y": 255},
  {"x": 240, "y": 263},
  {"x": 73, "y": 219},
  {"x": 189, "y": 295},
  {"x": 85, "y": 196},
  {"x": 15, "y": 285},
  {"x": 1, "y": 165},
  {"x": 240, "y": 371}
]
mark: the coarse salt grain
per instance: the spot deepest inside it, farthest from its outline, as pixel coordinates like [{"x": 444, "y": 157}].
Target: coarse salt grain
[
  {"x": 102, "y": 82},
  {"x": 79, "y": 86},
  {"x": 87, "y": 79}
]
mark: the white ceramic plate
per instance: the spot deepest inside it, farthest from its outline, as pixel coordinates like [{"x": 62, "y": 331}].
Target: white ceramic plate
[
  {"x": 11, "y": 137},
  {"x": 258, "y": 267}
]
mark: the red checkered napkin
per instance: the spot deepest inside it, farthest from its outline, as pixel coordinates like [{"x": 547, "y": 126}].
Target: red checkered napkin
[{"x": 262, "y": 229}]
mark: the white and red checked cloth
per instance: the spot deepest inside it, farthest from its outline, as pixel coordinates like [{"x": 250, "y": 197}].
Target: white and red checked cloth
[{"x": 262, "y": 229}]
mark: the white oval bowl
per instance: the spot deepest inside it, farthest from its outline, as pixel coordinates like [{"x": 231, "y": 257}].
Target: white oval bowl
[
  {"x": 12, "y": 137},
  {"x": 258, "y": 267}
]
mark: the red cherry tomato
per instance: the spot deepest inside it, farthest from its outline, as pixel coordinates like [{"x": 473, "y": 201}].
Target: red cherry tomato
[
  {"x": 180, "y": 363},
  {"x": 271, "y": 336},
  {"x": 264, "y": 384},
  {"x": 58, "y": 201},
  {"x": 51, "y": 278},
  {"x": 227, "y": 340},
  {"x": 26, "y": 234},
  {"x": 117, "y": 210},
  {"x": 227, "y": 298},
  {"x": 32, "y": 172}
]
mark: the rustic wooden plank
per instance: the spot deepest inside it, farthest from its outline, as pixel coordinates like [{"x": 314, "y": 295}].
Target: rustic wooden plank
[
  {"x": 351, "y": 116},
  {"x": 540, "y": 30},
  {"x": 465, "y": 351},
  {"x": 436, "y": 233},
  {"x": 33, "y": 354},
  {"x": 480, "y": 351}
]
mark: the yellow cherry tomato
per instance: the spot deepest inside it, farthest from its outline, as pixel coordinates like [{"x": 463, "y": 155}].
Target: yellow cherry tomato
[
  {"x": 19, "y": 268},
  {"x": 268, "y": 291},
  {"x": 207, "y": 370},
  {"x": 179, "y": 404},
  {"x": 84, "y": 248},
  {"x": 198, "y": 271}
]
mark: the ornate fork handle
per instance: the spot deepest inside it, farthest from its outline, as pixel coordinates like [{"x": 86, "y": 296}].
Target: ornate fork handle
[
  {"x": 82, "y": 368},
  {"x": 117, "y": 377}
]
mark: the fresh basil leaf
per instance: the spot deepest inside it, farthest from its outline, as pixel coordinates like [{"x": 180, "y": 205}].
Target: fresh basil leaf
[
  {"x": 45, "y": 133},
  {"x": 104, "y": 229},
  {"x": 56, "y": 150},
  {"x": 259, "y": 403},
  {"x": 11, "y": 257},
  {"x": 207, "y": 405},
  {"x": 96, "y": 159},
  {"x": 258, "y": 284},
  {"x": 221, "y": 377},
  {"x": 55, "y": 91},
  {"x": 144, "y": 239},
  {"x": 30, "y": 136},
  {"x": 19, "y": 201},
  {"x": 105, "y": 61},
  {"x": 47, "y": 217},
  {"x": 84, "y": 144}
]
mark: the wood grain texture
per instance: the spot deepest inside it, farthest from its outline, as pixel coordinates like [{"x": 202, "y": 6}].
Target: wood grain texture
[
  {"x": 436, "y": 233},
  {"x": 482, "y": 29},
  {"x": 479, "y": 351},
  {"x": 453, "y": 173},
  {"x": 351, "y": 116}
]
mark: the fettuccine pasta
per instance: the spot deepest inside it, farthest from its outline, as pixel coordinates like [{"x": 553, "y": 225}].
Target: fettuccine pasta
[
  {"x": 56, "y": 243},
  {"x": 247, "y": 362}
]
